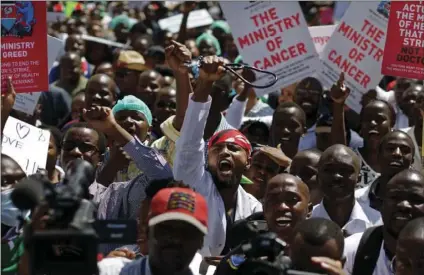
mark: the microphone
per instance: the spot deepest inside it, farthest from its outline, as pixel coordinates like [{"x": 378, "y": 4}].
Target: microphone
[
  {"x": 28, "y": 193},
  {"x": 81, "y": 175},
  {"x": 196, "y": 64}
]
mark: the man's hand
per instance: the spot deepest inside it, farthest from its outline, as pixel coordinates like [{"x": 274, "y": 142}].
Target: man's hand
[
  {"x": 331, "y": 266},
  {"x": 101, "y": 118},
  {"x": 339, "y": 91},
  {"x": 122, "y": 252},
  {"x": 8, "y": 99},
  {"x": 211, "y": 69},
  {"x": 176, "y": 55}
]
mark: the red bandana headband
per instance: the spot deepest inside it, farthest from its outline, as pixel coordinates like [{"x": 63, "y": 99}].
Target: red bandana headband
[{"x": 230, "y": 136}]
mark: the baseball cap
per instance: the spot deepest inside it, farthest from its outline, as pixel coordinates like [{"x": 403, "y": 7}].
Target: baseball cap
[
  {"x": 179, "y": 204},
  {"x": 131, "y": 60}
]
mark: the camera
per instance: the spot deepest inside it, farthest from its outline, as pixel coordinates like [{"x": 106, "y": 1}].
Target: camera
[
  {"x": 265, "y": 256},
  {"x": 69, "y": 243}
]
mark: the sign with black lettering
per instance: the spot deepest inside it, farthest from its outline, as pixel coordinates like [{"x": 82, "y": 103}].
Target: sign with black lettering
[{"x": 26, "y": 144}]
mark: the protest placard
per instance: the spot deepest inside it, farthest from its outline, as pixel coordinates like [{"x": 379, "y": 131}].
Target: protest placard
[
  {"x": 26, "y": 144},
  {"x": 197, "y": 18},
  {"x": 26, "y": 102},
  {"x": 404, "y": 50},
  {"x": 320, "y": 35},
  {"x": 273, "y": 36},
  {"x": 356, "y": 48},
  {"x": 24, "y": 45},
  {"x": 53, "y": 17}
]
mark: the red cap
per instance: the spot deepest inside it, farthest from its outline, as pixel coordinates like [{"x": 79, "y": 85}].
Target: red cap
[{"x": 179, "y": 204}]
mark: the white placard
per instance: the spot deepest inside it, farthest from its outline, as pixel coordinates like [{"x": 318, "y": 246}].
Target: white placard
[
  {"x": 273, "y": 36},
  {"x": 321, "y": 35},
  {"x": 356, "y": 48},
  {"x": 26, "y": 102},
  {"x": 26, "y": 144},
  {"x": 55, "y": 16},
  {"x": 197, "y": 18}
]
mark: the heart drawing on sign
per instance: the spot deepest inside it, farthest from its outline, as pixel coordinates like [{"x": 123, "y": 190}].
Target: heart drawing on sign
[{"x": 22, "y": 130}]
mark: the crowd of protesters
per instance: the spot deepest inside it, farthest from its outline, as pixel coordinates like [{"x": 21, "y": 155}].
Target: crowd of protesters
[{"x": 190, "y": 157}]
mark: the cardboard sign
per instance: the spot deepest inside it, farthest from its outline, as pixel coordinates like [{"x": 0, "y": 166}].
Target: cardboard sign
[
  {"x": 197, "y": 18},
  {"x": 26, "y": 102},
  {"x": 321, "y": 35},
  {"x": 53, "y": 17},
  {"x": 404, "y": 50},
  {"x": 26, "y": 144},
  {"x": 273, "y": 36},
  {"x": 356, "y": 48},
  {"x": 24, "y": 45}
]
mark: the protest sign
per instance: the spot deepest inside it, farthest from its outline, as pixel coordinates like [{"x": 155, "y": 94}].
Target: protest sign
[
  {"x": 53, "y": 17},
  {"x": 26, "y": 144},
  {"x": 26, "y": 102},
  {"x": 273, "y": 36},
  {"x": 24, "y": 45},
  {"x": 356, "y": 48},
  {"x": 197, "y": 18},
  {"x": 404, "y": 50},
  {"x": 320, "y": 35}
]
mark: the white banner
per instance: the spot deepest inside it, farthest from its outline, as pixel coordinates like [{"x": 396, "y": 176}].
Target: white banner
[
  {"x": 356, "y": 48},
  {"x": 273, "y": 36},
  {"x": 197, "y": 18},
  {"x": 26, "y": 144}
]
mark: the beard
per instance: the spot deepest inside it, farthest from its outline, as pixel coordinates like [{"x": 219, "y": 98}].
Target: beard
[{"x": 223, "y": 184}]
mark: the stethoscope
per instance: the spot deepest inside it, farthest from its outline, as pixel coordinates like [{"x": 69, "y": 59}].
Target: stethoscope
[{"x": 195, "y": 66}]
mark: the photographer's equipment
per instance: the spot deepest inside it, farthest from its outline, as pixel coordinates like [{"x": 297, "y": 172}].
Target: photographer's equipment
[
  {"x": 195, "y": 66},
  {"x": 264, "y": 255},
  {"x": 69, "y": 243}
]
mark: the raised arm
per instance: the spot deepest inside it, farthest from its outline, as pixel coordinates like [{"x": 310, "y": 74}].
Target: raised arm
[
  {"x": 147, "y": 159},
  {"x": 186, "y": 8},
  {"x": 189, "y": 163},
  {"x": 339, "y": 93},
  {"x": 7, "y": 102},
  {"x": 235, "y": 112},
  {"x": 176, "y": 55}
]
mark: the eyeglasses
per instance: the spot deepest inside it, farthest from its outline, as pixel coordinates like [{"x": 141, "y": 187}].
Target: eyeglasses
[{"x": 82, "y": 146}]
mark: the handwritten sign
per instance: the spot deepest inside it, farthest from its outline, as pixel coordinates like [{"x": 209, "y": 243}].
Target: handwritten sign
[
  {"x": 404, "y": 50},
  {"x": 356, "y": 48},
  {"x": 321, "y": 35},
  {"x": 26, "y": 144},
  {"x": 273, "y": 36},
  {"x": 197, "y": 18},
  {"x": 24, "y": 45}
]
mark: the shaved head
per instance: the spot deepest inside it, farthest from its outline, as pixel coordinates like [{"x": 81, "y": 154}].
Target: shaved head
[
  {"x": 288, "y": 180},
  {"x": 343, "y": 153}
]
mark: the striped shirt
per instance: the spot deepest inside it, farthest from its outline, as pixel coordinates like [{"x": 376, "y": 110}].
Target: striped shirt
[{"x": 121, "y": 200}]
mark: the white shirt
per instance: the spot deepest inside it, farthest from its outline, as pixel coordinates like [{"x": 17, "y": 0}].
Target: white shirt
[
  {"x": 309, "y": 140},
  {"x": 360, "y": 219},
  {"x": 362, "y": 195},
  {"x": 417, "y": 165},
  {"x": 189, "y": 167},
  {"x": 113, "y": 266},
  {"x": 367, "y": 174},
  {"x": 351, "y": 246}
]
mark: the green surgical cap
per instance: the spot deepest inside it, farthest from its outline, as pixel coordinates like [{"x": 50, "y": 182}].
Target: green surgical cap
[
  {"x": 120, "y": 19},
  {"x": 239, "y": 59},
  {"x": 223, "y": 25},
  {"x": 209, "y": 37},
  {"x": 131, "y": 103}
]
